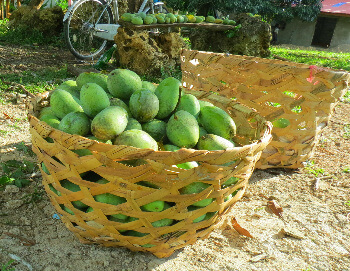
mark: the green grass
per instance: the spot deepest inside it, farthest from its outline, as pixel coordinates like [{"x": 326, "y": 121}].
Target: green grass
[{"x": 314, "y": 57}]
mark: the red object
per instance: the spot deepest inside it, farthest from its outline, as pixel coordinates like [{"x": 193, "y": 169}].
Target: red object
[{"x": 336, "y": 7}]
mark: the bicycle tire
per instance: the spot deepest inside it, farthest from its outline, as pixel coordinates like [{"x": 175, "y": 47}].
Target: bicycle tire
[{"x": 79, "y": 28}]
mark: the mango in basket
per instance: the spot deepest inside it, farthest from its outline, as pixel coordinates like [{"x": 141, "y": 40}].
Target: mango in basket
[
  {"x": 136, "y": 138},
  {"x": 144, "y": 105},
  {"x": 109, "y": 123},
  {"x": 133, "y": 124},
  {"x": 90, "y": 104},
  {"x": 121, "y": 83},
  {"x": 76, "y": 123},
  {"x": 194, "y": 188},
  {"x": 74, "y": 188},
  {"x": 62, "y": 102},
  {"x": 51, "y": 120},
  {"x": 92, "y": 77},
  {"x": 70, "y": 86},
  {"x": 182, "y": 129},
  {"x": 168, "y": 93},
  {"x": 216, "y": 121},
  {"x": 281, "y": 123},
  {"x": 189, "y": 103},
  {"x": 213, "y": 142},
  {"x": 155, "y": 206},
  {"x": 155, "y": 128}
]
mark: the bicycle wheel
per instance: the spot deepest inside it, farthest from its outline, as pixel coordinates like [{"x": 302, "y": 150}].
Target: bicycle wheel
[{"x": 79, "y": 28}]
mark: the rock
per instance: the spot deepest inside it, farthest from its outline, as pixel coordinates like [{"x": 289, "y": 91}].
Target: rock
[{"x": 11, "y": 189}]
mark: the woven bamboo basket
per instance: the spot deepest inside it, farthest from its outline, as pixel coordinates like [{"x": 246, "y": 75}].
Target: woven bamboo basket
[
  {"x": 55, "y": 149},
  {"x": 303, "y": 95}
]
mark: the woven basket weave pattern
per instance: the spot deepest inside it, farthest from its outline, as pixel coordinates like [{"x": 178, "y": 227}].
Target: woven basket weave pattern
[
  {"x": 105, "y": 162},
  {"x": 304, "y": 95}
]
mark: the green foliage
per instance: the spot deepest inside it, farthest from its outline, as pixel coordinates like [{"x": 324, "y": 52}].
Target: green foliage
[
  {"x": 278, "y": 10},
  {"x": 311, "y": 168},
  {"x": 15, "y": 172},
  {"x": 7, "y": 266},
  {"x": 25, "y": 36}
]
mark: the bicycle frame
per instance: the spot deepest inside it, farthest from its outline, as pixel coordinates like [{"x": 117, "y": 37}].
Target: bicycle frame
[{"x": 108, "y": 31}]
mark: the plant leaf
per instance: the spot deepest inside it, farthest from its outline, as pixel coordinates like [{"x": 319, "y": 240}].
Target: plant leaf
[
  {"x": 239, "y": 229},
  {"x": 275, "y": 208}
]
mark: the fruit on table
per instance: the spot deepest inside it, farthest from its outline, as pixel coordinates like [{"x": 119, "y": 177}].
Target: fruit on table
[
  {"x": 213, "y": 142},
  {"x": 121, "y": 83},
  {"x": 51, "y": 120},
  {"x": 127, "y": 17},
  {"x": 210, "y": 19},
  {"x": 62, "y": 102},
  {"x": 89, "y": 101},
  {"x": 109, "y": 123},
  {"x": 189, "y": 103},
  {"x": 92, "y": 77},
  {"x": 218, "y": 21},
  {"x": 281, "y": 123},
  {"x": 144, "y": 105},
  {"x": 160, "y": 19},
  {"x": 148, "y": 19},
  {"x": 155, "y": 128},
  {"x": 216, "y": 121},
  {"x": 182, "y": 129},
  {"x": 137, "y": 20},
  {"x": 168, "y": 93},
  {"x": 76, "y": 123},
  {"x": 136, "y": 138}
]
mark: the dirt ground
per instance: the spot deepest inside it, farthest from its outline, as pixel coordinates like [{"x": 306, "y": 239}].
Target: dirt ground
[{"x": 314, "y": 233}]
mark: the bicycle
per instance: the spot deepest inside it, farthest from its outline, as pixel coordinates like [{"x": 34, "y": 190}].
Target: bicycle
[{"x": 90, "y": 24}]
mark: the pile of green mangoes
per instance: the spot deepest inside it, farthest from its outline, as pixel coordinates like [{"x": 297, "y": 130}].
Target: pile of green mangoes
[
  {"x": 122, "y": 109},
  {"x": 170, "y": 18}
]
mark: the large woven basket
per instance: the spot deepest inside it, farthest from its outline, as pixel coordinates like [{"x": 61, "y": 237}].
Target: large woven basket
[
  {"x": 302, "y": 94},
  {"x": 55, "y": 148}
]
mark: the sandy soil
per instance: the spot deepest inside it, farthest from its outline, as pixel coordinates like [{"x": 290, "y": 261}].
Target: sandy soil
[{"x": 313, "y": 233}]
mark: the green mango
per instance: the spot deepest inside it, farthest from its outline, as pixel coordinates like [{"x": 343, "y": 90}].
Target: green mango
[
  {"x": 121, "y": 83},
  {"x": 213, "y": 142},
  {"x": 182, "y": 129},
  {"x": 155, "y": 206},
  {"x": 149, "y": 86},
  {"x": 62, "y": 102},
  {"x": 133, "y": 124},
  {"x": 155, "y": 128},
  {"x": 204, "y": 103},
  {"x": 194, "y": 188},
  {"x": 75, "y": 123},
  {"x": 127, "y": 17},
  {"x": 168, "y": 93},
  {"x": 109, "y": 123},
  {"x": 88, "y": 101},
  {"x": 198, "y": 219},
  {"x": 92, "y": 77},
  {"x": 144, "y": 105},
  {"x": 137, "y": 20},
  {"x": 46, "y": 111},
  {"x": 70, "y": 86},
  {"x": 189, "y": 103},
  {"x": 121, "y": 103},
  {"x": 136, "y": 138},
  {"x": 216, "y": 121},
  {"x": 148, "y": 19},
  {"x": 210, "y": 19},
  {"x": 74, "y": 188},
  {"x": 51, "y": 120}
]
